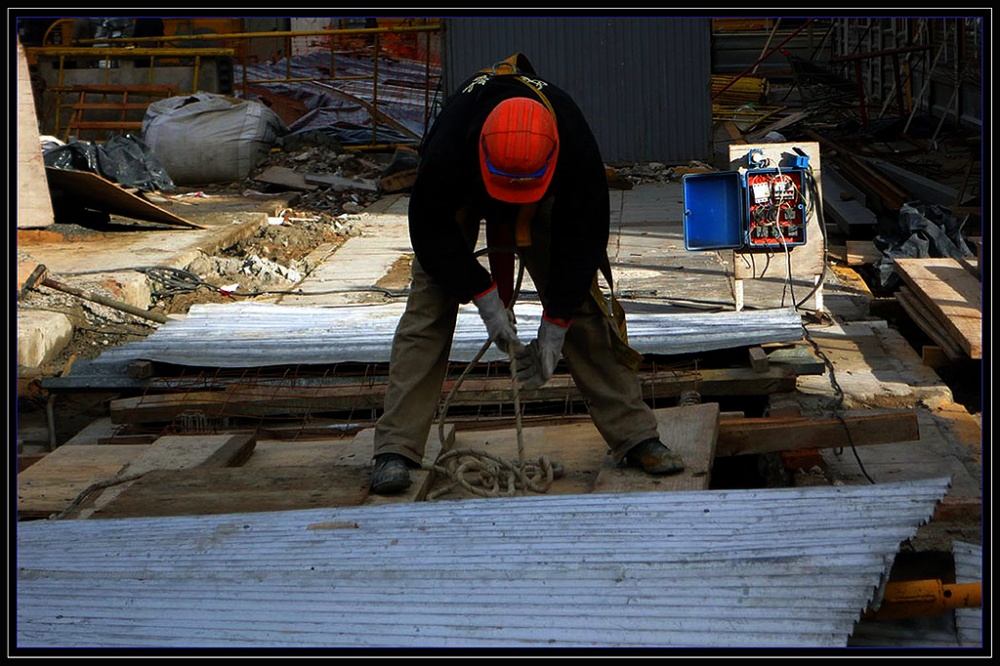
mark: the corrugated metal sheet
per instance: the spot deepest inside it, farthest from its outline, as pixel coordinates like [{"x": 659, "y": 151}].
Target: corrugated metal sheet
[
  {"x": 969, "y": 569},
  {"x": 740, "y": 568},
  {"x": 248, "y": 334},
  {"x": 643, "y": 83}
]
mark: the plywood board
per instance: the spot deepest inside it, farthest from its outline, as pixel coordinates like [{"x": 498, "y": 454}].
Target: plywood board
[
  {"x": 690, "y": 431},
  {"x": 92, "y": 191},
  {"x": 69, "y": 480},
  {"x": 807, "y": 259},
  {"x": 952, "y": 294}
]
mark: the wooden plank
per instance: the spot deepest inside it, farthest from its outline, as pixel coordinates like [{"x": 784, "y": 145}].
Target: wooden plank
[
  {"x": 48, "y": 486},
  {"x": 781, "y": 123},
  {"x": 758, "y": 359},
  {"x": 110, "y": 106},
  {"x": 845, "y": 205},
  {"x": 211, "y": 491},
  {"x": 933, "y": 356},
  {"x": 277, "y": 453},
  {"x": 185, "y": 451},
  {"x": 257, "y": 401},
  {"x": 692, "y": 432},
  {"x": 862, "y": 253},
  {"x": 34, "y": 205},
  {"x": 173, "y": 452},
  {"x": 952, "y": 294},
  {"x": 928, "y": 323},
  {"x": 800, "y": 359},
  {"x": 766, "y": 435}
]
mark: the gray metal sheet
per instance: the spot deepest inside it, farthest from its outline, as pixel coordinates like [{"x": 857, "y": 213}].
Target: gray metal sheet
[
  {"x": 642, "y": 82},
  {"x": 969, "y": 569},
  {"x": 738, "y": 568},
  {"x": 248, "y": 334}
]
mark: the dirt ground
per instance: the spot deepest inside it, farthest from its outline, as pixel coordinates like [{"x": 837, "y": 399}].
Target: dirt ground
[{"x": 270, "y": 262}]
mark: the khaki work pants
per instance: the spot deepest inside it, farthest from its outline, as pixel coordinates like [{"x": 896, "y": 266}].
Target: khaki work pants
[{"x": 422, "y": 343}]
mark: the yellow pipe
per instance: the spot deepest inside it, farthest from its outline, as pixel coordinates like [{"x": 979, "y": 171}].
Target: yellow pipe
[
  {"x": 921, "y": 598},
  {"x": 119, "y": 51},
  {"x": 430, "y": 27}
]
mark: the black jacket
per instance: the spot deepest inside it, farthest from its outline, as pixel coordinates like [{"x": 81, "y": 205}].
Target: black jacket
[{"x": 449, "y": 179}]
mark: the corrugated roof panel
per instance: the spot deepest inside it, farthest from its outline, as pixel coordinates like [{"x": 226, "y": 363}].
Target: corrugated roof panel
[
  {"x": 248, "y": 334},
  {"x": 744, "y": 569},
  {"x": 642, "y": 82},
  {"x": 969, "y": 569}
]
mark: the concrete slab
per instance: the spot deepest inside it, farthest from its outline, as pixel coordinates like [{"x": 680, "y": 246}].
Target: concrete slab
[{"x": 41, "y": 335}]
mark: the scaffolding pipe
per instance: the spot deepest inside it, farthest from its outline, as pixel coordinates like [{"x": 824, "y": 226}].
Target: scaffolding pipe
[
  {"x": 762, "y": 58},
  {"x": 922, "y": 598}
]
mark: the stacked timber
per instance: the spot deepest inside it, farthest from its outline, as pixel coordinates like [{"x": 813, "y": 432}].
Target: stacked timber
[{"x": 943, "y": 296}]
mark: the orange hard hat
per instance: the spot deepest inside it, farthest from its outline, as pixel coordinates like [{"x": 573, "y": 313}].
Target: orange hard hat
[{"x": 518, "y": 148}]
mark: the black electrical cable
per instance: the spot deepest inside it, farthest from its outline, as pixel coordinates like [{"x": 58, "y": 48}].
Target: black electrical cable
[{"x": 814, "y": 196}]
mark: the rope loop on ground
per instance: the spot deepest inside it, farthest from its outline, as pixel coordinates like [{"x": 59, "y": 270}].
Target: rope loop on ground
[
  {"x": 487, "y": 475},
  {"x": 482, "y": 473}
]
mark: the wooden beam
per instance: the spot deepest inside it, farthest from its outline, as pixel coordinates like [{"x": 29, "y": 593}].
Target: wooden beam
[
  {"x": 208, "y": 491},
  {"x": 256, "y": 401},
  {"x": 758, "y": 359},
  {"x": 767, "y": 435}
]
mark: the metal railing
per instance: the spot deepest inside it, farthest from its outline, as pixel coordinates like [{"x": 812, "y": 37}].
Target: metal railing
[{"x": 264, "y": 64}]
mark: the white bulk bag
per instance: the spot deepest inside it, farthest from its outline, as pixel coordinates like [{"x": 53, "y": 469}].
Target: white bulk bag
[{"x": 209, "y": 138}]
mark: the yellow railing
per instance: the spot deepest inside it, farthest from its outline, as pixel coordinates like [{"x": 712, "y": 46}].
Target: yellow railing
[{"x": 245, "y": 48}]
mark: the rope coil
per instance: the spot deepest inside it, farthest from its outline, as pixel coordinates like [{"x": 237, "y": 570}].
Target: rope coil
[{"x": 482, "y": 473}]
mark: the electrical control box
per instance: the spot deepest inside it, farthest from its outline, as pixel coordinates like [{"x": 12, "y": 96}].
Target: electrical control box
[{"x": 762, "y": 208}]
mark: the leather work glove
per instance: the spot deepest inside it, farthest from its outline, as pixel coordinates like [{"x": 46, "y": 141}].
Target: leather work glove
[
  {"x": 499, "y": 321},
  {"x": 537, "y": 361}
]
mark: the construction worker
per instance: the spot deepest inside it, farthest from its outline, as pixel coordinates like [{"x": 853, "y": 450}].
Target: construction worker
[{"x": 515, "y": 151}]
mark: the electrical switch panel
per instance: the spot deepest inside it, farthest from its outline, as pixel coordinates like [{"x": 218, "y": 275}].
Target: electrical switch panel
[{"x": 775, "y": 215}]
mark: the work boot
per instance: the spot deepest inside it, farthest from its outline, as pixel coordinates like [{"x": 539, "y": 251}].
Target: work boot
[
  {"x": 390, "y": 474},
  {"x": 653, "y": 457}
]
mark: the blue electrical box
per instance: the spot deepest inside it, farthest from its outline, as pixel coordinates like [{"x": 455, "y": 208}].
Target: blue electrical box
[{"x": 750, "y": 209}]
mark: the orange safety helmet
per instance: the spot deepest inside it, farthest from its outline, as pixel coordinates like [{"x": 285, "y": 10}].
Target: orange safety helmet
[{"x": 518, "y": 148}]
